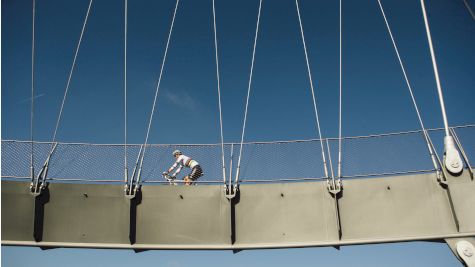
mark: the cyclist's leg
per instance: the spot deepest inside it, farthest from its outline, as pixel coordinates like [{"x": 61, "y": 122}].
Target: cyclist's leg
[
  {"x": 196, "y": 173},
  {"x": 187, "y": 180}
]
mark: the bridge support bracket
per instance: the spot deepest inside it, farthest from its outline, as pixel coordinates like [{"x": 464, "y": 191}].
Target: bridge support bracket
[
  {"x": 40, "y": 200},
  {"x": 335, "y": 189},
  {"x": 37, "y": 188},
  {"x": 233, "y": 195},
  {"x": 230, "y": 191},
  {"x": 39, "y": 184},
  {"x": 452, "y": 160},
  {"x": 135, "y": 200},
  {"x": 131, "y": 190},
  {"x": 463, "y": 249}
]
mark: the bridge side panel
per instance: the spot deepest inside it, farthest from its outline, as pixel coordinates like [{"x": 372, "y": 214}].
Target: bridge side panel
[
  {"x": 463, "y": 196},
  {"x": 178, "y": 215},
  {"x": 86, "y": 213},
  {"x": 285, "y": 213},
  {"x": 18, "y": 210},
  {"x": 400, "y": 206},
  {"x": 413, "y": 207}
]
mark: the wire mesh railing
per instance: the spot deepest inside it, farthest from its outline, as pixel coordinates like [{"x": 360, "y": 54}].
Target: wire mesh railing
[
  {"x": 298, "y": 160},
  {"x": 385, "y": 154},
  {"x": 466, "y": 135}
]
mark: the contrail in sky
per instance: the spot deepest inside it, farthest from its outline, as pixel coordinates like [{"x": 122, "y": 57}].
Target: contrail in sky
[{"x": 29, "y": 98}]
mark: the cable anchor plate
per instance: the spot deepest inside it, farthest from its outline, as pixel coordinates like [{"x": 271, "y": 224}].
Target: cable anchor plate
[{"x": 452, "y": 160}]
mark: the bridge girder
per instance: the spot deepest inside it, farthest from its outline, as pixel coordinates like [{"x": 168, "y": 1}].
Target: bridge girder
[{"x": 280, "y": 215}]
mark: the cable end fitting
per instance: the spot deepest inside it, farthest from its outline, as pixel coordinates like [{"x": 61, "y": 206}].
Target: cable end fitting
[{"x": 452, "y": 160}]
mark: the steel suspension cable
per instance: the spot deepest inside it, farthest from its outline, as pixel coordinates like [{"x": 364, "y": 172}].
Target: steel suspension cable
[
  {"x": 71, "y": 72},
  {"x": 126, "y": 173},
  {"x": 436, "y": 72},
  {"x": 158, "y": 88},
  {"x": 32, "y": 159},
  {"x": 219, "y": 93},
  {"x": 340, "y": 94},
  {"x": 469, "y": 9},
  {"x": 426, "y": 136},
  {"x": 42, "y": 174},
  {"x": 312, "y": 89},
  {"x": 248, "y": 91},
  {"x": 452, "y": 159},
  {"x": 402, "y": 66}
]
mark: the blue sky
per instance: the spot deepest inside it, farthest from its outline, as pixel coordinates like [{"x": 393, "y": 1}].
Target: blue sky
[{"x": 375, "y": 97}]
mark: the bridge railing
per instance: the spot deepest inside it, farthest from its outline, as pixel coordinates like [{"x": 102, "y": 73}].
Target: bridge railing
[
  {"x": 466, "y": 136},
  {"x": 298, "y": 160},
  {"x": 385, "y": 154}
]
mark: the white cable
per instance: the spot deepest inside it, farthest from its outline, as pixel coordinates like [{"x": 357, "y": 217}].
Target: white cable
[
  {"x": 219, "y": 93},
  {"x": 402, "y": 66},
  {"x": 248, "y": 91},
  {"x": 158, "y": 84},
  {"x": 71, "y": 73},
  {"x": 452, "y": 160},
  {"x": 436, "y": 72},
  {"x": 125, "y": 92},
  {"x": 469, "y": 9},
  {"x": 44, "y": 170},
  {"x": 340, "y": 99},
  {"x": 426, "y": 136},
  {"x": 313, "y": 91},
  {"x": 32, "y": 166}
]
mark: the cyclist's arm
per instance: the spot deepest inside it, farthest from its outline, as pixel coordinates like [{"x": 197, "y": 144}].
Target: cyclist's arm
[
  {"x": 178, "y": 170},
  {"x": 174, "y": 164}
]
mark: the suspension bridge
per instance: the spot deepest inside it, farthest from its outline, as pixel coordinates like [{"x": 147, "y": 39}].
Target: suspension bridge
[{"x": 393, "y": 187}]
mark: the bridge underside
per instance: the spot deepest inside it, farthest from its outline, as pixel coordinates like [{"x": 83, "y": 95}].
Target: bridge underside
[{"x": 390, "y": 209}]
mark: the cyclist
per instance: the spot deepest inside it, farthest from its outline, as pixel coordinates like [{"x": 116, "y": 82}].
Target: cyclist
[{"x": 185, "y": 161}]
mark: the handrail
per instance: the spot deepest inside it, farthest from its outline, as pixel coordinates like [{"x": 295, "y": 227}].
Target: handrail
[{"x": 247, "y": 143}]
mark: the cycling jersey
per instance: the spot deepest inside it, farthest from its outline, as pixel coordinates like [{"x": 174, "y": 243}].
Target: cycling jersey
[{"x": 183, "y": 161}]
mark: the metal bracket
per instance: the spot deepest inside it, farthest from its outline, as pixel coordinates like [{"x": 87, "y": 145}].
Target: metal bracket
[
  {"x": 37, "y": 187},
  {"x": 335, "y": 188},
  {"x": 133, "y": 185},
  {"x": 131, "y": 191},
  {"x": 39, "y": 184},
  {"x": 463, "y": 249},
  {"x": 452, "y": 167},
  {"x": 466, "y": 251},
  {"x": 230, "y": 191},
  {"x": 452, "y": 160}
]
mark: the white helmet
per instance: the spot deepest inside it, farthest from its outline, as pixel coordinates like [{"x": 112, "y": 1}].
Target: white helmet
[{"x": 176, "y": 152}]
